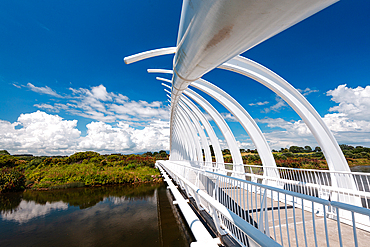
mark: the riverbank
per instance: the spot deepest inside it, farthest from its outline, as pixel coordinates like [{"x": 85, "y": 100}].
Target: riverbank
[
  {"x": 110, "y": 215},
  {"x": 78, "y": 170}
]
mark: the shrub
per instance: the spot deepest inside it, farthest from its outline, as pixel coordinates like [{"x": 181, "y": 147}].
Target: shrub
[
  {"x": 11, "y": 179},
  {"x": 80, "y": 156},
  {"x": 8, "y": 161}
]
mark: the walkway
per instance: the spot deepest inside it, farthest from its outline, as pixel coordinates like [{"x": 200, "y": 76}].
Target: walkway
[{"x": 236, "y": 205}]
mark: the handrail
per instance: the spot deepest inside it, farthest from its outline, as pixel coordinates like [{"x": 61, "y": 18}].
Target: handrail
[
  {"x": 252, "y": 232},
  {"x": 261, "y": 211}
]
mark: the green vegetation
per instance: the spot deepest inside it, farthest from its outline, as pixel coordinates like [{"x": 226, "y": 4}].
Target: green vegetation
[
  {"x": 304, "y": 157},
  {"x": 78, "y": 170}
]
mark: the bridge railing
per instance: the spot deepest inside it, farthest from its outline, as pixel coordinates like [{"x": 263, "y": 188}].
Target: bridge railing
[
  {"x": 285, "y": 216},
  {"x": 324, "y": 184}
]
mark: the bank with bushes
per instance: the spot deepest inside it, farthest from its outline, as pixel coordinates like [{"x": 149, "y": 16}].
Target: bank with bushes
[{"x": 78, "y": 170}]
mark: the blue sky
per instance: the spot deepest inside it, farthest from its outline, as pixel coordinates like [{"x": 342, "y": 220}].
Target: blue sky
[{"x": 65, "y": 87}]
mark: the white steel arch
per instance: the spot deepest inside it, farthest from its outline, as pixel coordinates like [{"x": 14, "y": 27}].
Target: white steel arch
[
  {"x": 330, "y": 147},
  {"x": 192, "y": 133},
  {"x": 242, "y": 117},
  {"x": 182, "y": 143},
  {"x": 302, "y": 107},
  {"x": 222, "y": 125},
  {"x": 187, "y": 137},
  {"x": 208, "y": 128},
  {"x": 195, "y": 120}
]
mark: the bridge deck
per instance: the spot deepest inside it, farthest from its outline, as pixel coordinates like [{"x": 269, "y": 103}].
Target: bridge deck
[{"x": 302, "y": 222}]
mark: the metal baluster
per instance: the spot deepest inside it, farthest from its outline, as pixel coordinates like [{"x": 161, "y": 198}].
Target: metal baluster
[
  {"x": 339, "y": 231},
  {"x": 313, "y": 223},
  {"x": 295, "y": 224},
  {"x": 256, "y": 200},
  {"x": 281, "y": 233},
  {"x": 286, "y": 220},
  {"x": 304, "y": 224},
  {"x": 354, "y": 229},
  {"x": 252, "y": 213},
  {"x": 272, "y": 214},
  {"x": 326, "y": 228}
]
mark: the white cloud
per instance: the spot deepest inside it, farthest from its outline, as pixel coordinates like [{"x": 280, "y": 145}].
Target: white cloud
[
  {"x": 26, "y": 211},
  {"x": 40, "y": 133},
  {"x": 349, "y": 122},
  {"x": 99, "y": 104},
  {"x": 43, "y": 90},
  {"x": 353, "y": 102},
  {"x": 280, "y": 104},
  {"x": 103, "y": 137},
  {"x": 229, "y": 117},
  {"x": 259, "y": 103},
  {"x": 307, "y": 91}
]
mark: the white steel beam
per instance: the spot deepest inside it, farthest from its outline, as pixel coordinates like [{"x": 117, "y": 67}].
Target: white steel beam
[
  {"x": 333, "y": 154},
  {"x": 207, "y": 126}
]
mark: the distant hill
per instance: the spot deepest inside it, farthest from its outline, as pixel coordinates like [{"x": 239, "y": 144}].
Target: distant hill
[{"x": 4, "y": 152}]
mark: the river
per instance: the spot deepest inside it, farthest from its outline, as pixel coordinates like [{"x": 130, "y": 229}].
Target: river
[{"x": 140, "y": 215}]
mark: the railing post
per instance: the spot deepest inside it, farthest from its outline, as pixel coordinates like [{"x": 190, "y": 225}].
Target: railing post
[{"x": 217, "y": 222}]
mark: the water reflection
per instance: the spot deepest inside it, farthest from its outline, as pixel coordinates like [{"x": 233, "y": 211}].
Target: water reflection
[
  {"x": 29, "y": 210},
  {"x": 110, "y": 216},
  {"x": 361, "y": 169}
]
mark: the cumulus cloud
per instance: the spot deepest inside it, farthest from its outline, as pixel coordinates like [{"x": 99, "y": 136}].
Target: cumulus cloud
[
  {"x": 43, "y": 90},
  {"x": 353, "y": 102},
  {"x": 349, "y": 121},
  {"x": 103, "y": 137},
  {"x": 40, "y": 133},
  {"x": 99, "y": 104}
]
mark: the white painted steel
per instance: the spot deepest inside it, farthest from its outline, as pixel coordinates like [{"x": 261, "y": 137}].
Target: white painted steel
[
  {"x": 192, "y": 133},
  {"x": 287, "y": 217},
  {"x": 244, "y": 119},
  {"x": 333, "y": 154},
  {"x": 195, "y": 120},
  {"x": 208, "y": 28},
  {"x": 218, "y": 210},
  {"x": 148, "y": 54},
  {"x": 197, "y": 228},
  {"x": 240, "y": 114},
  {"x": 220, "y": 122},
  {"x": 208, "y": 128},
  {"x": 187, "y": 136},
  {"x": 315, "y": 183}
]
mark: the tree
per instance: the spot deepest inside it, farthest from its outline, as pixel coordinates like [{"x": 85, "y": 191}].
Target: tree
[
  {"x": 317, "y": 149},
  {"x": 307, "y": 149},
  {"x": 296, "y": 149},
  {"x": 346, "y": 147},
  {"x": 163, "y": 153}
]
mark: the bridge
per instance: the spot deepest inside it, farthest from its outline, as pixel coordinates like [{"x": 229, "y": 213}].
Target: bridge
[{"x": 253, "y": 205}]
